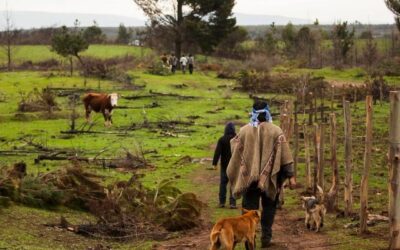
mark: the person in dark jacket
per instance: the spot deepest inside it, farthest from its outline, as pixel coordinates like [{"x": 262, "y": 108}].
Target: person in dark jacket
[{"x": 223, "y": 151}]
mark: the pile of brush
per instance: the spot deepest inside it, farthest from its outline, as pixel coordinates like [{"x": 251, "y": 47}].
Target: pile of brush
[
  {"x": 35, "y": 101},
  {"x": 124, "y": 209}
]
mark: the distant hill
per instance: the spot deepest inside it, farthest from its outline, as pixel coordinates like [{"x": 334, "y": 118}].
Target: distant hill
[
  {"x": 249, "y": 19},
  {"x": 32, "y": 19}
]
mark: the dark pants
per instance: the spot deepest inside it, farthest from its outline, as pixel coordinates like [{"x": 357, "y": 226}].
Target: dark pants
[
  {"x": 173, "y": 69},
  {"x": 251, "y": 201},
  {"x": 222, "y": 189},
  {"x": 191, "y": 68}
]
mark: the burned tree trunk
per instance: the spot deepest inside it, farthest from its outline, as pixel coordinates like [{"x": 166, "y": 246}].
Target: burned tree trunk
[
  {"x": 367, "y": 164},
  {"x": 333, "y": 191},
  {"x": 394, "y": 171}
]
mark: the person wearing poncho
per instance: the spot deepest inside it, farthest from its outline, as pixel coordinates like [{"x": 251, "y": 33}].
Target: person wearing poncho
[{"x": 261, "y": 162}]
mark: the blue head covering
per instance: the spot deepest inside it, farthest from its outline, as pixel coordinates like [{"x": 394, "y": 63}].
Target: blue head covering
[{"x": 254, "y": 116}]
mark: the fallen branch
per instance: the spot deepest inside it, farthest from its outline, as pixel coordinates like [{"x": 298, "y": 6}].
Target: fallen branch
[
  {"x": 158, "y": 94},
  {"x": 93, "y": 132}
]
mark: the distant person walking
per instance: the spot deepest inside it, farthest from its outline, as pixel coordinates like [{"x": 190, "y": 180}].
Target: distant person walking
[
  {"x": 223, "y": 151},
  {"x": 164, "y": 60},
  {"x": 173, "y": 62},
  {"x": 191, "y": 63},
  {"x": 184, "y": 62}
]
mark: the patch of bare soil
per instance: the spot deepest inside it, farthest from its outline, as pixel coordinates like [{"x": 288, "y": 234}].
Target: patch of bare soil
[{"x": 289, "y": 232}]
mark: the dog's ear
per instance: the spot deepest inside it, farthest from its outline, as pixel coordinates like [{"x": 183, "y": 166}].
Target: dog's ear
[{"x": 244, "y": 210}]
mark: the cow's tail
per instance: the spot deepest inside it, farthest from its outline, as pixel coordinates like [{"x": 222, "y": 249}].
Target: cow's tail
[{"x": 215, "y": 237}]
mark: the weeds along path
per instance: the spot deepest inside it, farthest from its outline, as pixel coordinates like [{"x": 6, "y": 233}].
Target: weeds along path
[{"x": 289, "y": 232}]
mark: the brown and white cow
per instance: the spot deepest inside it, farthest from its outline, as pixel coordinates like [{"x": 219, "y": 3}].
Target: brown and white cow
[{"x": 103, "y": 103}]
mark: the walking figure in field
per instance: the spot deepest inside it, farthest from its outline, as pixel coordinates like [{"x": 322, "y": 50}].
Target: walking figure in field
[
  {"x": 261, "y": 162},
  {"x": 104, "y": 103},
  {"x": 183, "y": 62},
  {"x": 223, "y": 151},
  {"x": 164, "y": 60},
  {"x": 173, "y": 62},
  {"x": 191, "y": 63}
]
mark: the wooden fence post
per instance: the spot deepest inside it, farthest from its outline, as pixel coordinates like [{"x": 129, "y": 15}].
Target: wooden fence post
[
  {"x": 283, "y": 118},
  {"x": 317, "y": 160},
  {"x": 321, "y": 157},
  {"x": 348, "y": 182},
  {"x": 394, "y": 170},
  {"x": 367, "y": 165},
  {"x": 332, "y": 96},
  {"x": 296, "y": 140},
  {"x": 307, "y": 157},
  {"x": 333, "y": 191},
  {"x": 310, "y": 113}
]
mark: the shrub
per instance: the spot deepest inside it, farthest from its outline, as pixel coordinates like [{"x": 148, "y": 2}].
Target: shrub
[
  {"x": 230, "y": 70},
  {"x": 250, "y": 80},
  {"x": 158, "y": 68},
  {"x": 390, "y": 66},
  {"x": 36, "y": 100},
  {"x": 107, "y": 68},
  {"x": 210, "y": 67}
]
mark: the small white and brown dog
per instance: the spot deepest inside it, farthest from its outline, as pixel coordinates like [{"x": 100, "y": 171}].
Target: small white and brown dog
[{"x": 315, "y": 210}]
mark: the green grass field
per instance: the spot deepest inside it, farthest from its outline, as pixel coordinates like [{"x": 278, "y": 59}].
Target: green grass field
[
  {"x": 38, "y": 53},
  {"x": 214, "y": 106}
]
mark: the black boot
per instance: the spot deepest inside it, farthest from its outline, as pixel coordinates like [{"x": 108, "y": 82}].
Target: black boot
[{"x": 265, "y": 241}]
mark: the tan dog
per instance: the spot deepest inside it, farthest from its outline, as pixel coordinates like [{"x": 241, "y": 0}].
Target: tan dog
[
  {"x": 315, "y": 210},
  {"x": 230, "y": 231}
]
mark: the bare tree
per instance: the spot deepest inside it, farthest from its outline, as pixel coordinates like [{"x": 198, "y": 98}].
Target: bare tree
[
  {"x": 394, "y": 6},
  {"x": 370, "y": 53},
  {"x": 8, "y": 39},
  {"x": 203, "y": 22}
]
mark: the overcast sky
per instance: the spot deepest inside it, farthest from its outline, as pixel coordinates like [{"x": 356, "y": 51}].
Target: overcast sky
[{"x": 327, "y": 11}]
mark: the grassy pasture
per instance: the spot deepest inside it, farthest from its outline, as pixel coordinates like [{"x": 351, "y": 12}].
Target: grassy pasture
[
  {"x": 38, "y": 53},
  {"x": 215, "y": 105}
]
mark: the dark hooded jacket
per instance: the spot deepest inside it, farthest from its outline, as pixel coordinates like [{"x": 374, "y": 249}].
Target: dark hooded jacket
[{"x": 223, "y": 149}]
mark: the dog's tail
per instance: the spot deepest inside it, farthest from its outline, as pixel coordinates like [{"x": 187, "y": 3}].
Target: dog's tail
[
  {"x": 214, "y": 237},
  {"x": 321, "y": 196}
]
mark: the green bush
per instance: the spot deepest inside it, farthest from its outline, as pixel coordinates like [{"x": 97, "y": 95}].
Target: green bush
[
  {"x": 158, "y": 68},
  {"x": 253, "y": 81}
]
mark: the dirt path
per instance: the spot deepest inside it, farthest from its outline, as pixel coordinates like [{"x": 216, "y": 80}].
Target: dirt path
[{"x": 289, "y": 232}]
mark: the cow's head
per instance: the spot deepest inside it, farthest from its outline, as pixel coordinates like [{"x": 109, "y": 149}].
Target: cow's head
[{"x": 113, "y": 99}]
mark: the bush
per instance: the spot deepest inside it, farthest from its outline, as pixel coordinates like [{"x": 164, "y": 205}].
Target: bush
[
  {"x": 230, "y": 70},
  {"x": 107, "y": 68},
  {"x": 390, "y": 67},
  {"x": 36, "y": 100},
  {"x": 210, "y": 67},
  {"x": 158, "y": 68},
  {"x": 250, "y": 80}
]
